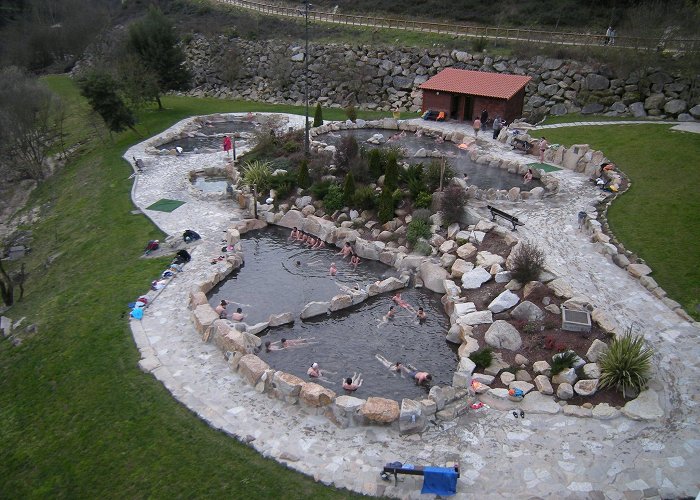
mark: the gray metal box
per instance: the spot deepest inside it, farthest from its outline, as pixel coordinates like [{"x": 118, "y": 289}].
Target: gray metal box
[{"x": 575, "y": 321}]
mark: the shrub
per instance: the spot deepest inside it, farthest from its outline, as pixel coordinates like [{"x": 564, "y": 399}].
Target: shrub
[
  {"x": 258, "y": 173},
  {"x": 528, "y": 263},
  {"x": 320, "y": 189},
  {"x": 452, "y": 204},
  {"x": 422, "y": 214},
  {"x": 318, "y": 115},
  {"x": 479, "y": 44},
  {"x": 364, "y": 198},
  {"x": 391, "y": 171},
  {"x": 349, "y": 188},
  {"x": 413, "y": 177},
  {"x": 626, "y": 364},
  {"x": 374, "y": 159},
  {"x": 564, "y": 361},
  {"x": 482, "y": 358},
  {"x": 334, "y": 198},
  {"x": 347, "y": 151},
  {"x": 424, "y": 200},
  {"x": 532, "y": 327},
  {"x": 423, "y": 248},
  {"x": 351, "y": 113},
  {"x": 386, "y": 206},
  {"x": 303, "y": 179},
  {"x": 417, "y": 228},
  {"x": 432, "y": 176}
]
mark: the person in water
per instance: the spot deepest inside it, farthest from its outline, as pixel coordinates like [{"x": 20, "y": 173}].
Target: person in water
[
  {"x": 314, "y": 371},
  {"x": 333, "y": 270},
  {"x": 354, "y": 260},
  {"x": 421, "y": 314},
  {"x": 419, "y": 377},
  {"x": 293, "y": 235},
  {"x": 394, "y": 367},
  {"x": 346, "y": 251},
  {"x": 221, "y": 309},
  {"x": 353, "y": 383},
  {"x": 238, "y": 315}
]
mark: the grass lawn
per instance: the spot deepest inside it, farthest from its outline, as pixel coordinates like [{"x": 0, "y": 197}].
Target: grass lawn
[
  {"x": 79, "y": 420},
  {"x": 657, "y": 218}
]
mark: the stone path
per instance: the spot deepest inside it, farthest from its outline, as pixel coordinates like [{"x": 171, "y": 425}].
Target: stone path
[{"x": 539, "y": 456}]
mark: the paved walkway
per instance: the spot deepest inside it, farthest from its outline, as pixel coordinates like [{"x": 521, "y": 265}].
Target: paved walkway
[{"x": 501, "y": 457}]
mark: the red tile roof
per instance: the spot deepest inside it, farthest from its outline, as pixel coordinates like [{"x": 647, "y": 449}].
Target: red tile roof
[{"x": 462, "y": 81}]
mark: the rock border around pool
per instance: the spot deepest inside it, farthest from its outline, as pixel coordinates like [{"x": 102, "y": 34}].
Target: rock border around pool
[{"x": 238, "y": 341}]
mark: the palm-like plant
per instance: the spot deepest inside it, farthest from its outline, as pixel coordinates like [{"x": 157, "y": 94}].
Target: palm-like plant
[
  {"x": 258, "y": 173},
  {"x": 626, "y": 365}
]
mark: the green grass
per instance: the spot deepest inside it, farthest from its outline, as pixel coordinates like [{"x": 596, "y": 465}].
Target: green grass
[
  {"x": 657, "y": 217},
  {"x": 79, "y": 420},
  {"x": 578, "y": 117}
]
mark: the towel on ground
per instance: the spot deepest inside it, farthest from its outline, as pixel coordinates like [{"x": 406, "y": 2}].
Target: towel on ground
[{"x": 439, "y": 481}]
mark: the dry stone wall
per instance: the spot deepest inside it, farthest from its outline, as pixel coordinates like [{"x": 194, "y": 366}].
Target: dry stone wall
[{"x": 387, "y": 78}]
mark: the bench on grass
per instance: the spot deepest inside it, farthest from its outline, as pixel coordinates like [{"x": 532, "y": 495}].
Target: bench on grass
[
  {"x": 500, "y": 213},
  {"x": 418, "y": 470}
]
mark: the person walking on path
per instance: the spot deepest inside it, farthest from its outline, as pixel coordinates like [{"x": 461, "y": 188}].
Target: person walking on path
[
  {"x": 608, "y": 35},
  {"x": 543, "y": 147},
  {"x": 484, "y": 117},
  {"x": 477, "y": 126},
  {"x": 497, "y": 126},
  {"x": 228, "y": 145}
]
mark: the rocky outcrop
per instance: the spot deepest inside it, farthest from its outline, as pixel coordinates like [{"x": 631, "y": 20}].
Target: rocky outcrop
[{"x": 380, "y": 410}]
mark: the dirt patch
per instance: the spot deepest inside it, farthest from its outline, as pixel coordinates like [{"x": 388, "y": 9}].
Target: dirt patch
[{"x": 495, "y": 244}]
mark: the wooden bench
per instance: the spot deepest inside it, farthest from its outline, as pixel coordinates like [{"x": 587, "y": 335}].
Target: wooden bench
[
  {"x": 415, "y": 471},
  {"x": 500, "y": 213}
]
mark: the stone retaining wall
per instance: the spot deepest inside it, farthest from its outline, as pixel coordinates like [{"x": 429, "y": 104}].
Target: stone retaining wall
[{"x": 387, "y": 78}]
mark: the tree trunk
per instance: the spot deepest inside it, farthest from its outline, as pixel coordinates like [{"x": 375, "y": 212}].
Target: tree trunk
[{"x": 6, "y": 287}]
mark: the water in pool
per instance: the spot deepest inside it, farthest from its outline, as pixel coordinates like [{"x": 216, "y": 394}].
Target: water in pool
[
  {"x": 480, "y": 175},
  {"x": 345, "y": 342},
  {"x": 210, "y": 184}
]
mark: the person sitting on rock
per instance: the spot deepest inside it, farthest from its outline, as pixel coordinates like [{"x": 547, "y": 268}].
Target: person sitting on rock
[
  {"x": 346, "y": 250},
  {"x": 221, "y": 309},
  {"x": 293, "y": 235}
]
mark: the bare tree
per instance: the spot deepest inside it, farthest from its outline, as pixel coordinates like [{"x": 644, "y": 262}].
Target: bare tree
[{"x": 28, "y": 118}]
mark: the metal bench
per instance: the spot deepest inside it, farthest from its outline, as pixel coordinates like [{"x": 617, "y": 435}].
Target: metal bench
[{"x": 500, "y": 213}]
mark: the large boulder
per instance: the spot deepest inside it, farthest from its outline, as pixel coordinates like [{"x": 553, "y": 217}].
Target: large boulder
[
  {"x": 345, "y": 409},
  {"x": 595, "y": 81},
  {"x": 293, "y": 218},
  {"x": 388, "y": 285},
  {"x": 460, "y": 267},
  {"x": 565, "y": 391},
  {"x": 543, "y": 384},
  {"x": 411, "y": 418},
  {"x": 313, "y": 309},
  {"x": 466, "y": 251},
  {"x": 565, "y": 376},
  {"x": 505, "y": 300},
  {"x": 675, "y": 106},
  {"x": 487, "y": 259},
  {"x": 380, "y": 410},
  {"x": 644, "y": 407},
  {"x": 280, "y": 319},
  {"x": 286, "y": 386},
  {"x": 475, "y": 278},
  {"x": 536, "y": 402},
  {"x": 476, "y": 318},
  {"x": 598, "y": 347},
  {"x": 527, "y": 311},
  {"x": 252, "y": 368},
  {"x": 586, "y": 387},
  {"x": 339, "y": 302},
  {"x": 203, "y": 317},
  {"x": 433, "y": 277},
  {"x": 316, "y": 395},
  {"x": 561, "y": 288},
  {"x": 502, "y": 335}
]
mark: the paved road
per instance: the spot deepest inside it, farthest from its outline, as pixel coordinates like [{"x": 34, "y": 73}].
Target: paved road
[{"x": 501, "y": 457}]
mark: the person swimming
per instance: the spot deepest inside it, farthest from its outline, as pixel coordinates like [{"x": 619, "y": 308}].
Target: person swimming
[{"x": 353, "y": 383}]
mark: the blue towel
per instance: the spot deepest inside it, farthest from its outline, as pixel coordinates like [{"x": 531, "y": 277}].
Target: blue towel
[{"x": 439, "y": 481}]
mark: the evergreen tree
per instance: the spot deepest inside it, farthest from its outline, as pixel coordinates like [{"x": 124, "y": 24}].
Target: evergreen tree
[
  {"x": 318, "y": 115},
  {"x": 349, "y": 188},
  {"x": 102, "y": 92},
  {"x": 375, "y": 164},
  {"x": 153, "y": 40},
  {"x": 303, "y": 179},
  {"x": 391, "y": 172},
  {"x": 386, "y": 206}
]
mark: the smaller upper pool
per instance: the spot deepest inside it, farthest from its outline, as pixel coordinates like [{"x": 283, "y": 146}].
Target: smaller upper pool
[
  {"x": 210, "y": 184},
  {"x": 480, "y": 175}
]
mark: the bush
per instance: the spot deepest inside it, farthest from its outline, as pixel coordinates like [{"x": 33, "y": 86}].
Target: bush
[
  {"x": 391, "y": 171},
  {"x": 482, "y": 358},
  {"x": 479, "y": 44},
  {"x": 364, "y": 198},
  {"x": 423, "y": 248},
  {"x": 351, "y": 113},
  {"x": 422, "y": 214},
  {"x": 528, "y": 263},
  {"x": 347, "y": 151},
  {"x": 318, "y": 115},
  {"x": 349, "y": 188},
  {"x": 320, "y": 189},
  {"x": 258, "y": 173},
  {"x": 413, "y": 177},
  {"x": 417, "y": 229},
  {"x": 386, "y": 206},
  {"x": 303, "y": 179},
  {"x": 334, "y": 198},
  {"x": 432, "y": 176},
  {"x": 374, "y": 158},
  {"x": 564, "y": 361},
  {"x": 452, "y": 204},
  {"x": 532, "y": 327},
  {"x": 424, "y": 200},
  {"x": 626, "y": 365}
]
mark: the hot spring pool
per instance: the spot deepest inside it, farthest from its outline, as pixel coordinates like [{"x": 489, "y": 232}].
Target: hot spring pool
[
  {"x": 347, "y": 341},
  {"x": 481, "y": 175}
]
